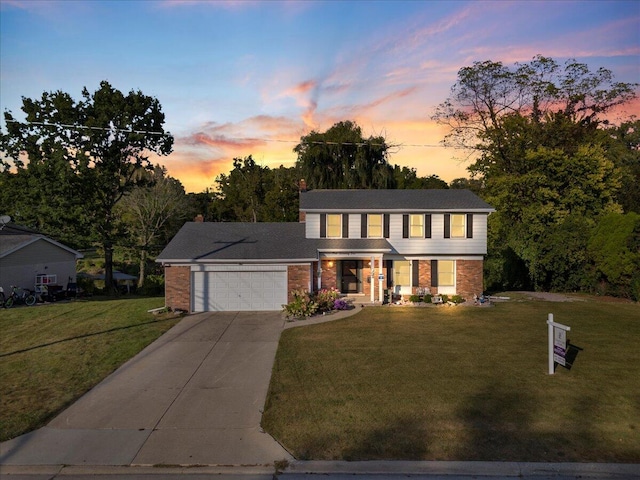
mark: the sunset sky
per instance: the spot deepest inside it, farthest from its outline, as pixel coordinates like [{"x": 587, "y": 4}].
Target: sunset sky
[{"x": 250, "y": 78}]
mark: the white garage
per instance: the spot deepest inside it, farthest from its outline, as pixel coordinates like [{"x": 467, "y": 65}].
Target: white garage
[{"x": 238, "y": 288}]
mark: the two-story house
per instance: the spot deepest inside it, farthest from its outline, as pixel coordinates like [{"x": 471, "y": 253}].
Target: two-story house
[{"x": 361, "y": 242}]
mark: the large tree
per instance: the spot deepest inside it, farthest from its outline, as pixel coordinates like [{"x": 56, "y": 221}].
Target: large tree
[
  {"x": 152, "y": 213},
  {"x": 545, "y": 156},
  {"x": 256, "y": 193},
  {"x": 489, "y": 99},
  {"x": 103, "y": 138},
  {"x": 342, "y": 158}
]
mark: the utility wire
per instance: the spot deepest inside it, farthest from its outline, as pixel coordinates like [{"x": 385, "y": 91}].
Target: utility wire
[
  {"x": 80, "y": 127},
  {"x": 146, "y": 132}
]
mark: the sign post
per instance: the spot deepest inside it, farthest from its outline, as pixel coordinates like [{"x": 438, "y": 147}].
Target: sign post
[{"x": 557, "y": 343}]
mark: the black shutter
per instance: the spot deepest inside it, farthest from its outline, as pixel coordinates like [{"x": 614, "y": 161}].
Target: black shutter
[
  {"x": 415, "y": 274},
  {"x": 405, "y": 226},
  {"x": 434, "y": 273},
  {"x": 469, "y": 225},
  {"x": 386, "y": 225},
  {"x": 363, "y": 226},
  {"x": 389, "y": 264},
  {"x": 323, "y": 225},
  {"x": 427, "y": 226},
  {"x": 447, "y": 226},
  {"x": 345, "y": 225}
]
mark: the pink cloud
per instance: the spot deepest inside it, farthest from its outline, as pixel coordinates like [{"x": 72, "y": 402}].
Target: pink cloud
[{"x": 221, "y": 141}]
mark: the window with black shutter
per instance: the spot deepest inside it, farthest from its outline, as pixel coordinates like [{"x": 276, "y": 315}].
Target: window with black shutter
[{"x": 434, "y": 273}]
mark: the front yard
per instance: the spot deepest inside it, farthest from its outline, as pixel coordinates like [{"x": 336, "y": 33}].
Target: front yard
[
  {"x": 460, "y": 383},
  {"x": 51, "y": 354}
]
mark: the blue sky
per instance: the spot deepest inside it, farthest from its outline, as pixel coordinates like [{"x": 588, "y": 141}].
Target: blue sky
[{"x": 239, "y": 78}]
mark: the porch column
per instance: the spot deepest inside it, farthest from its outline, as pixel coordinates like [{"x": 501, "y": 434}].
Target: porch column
[
  {"x": 372, "y": 272},
  {"x": 380, "y": 281}
]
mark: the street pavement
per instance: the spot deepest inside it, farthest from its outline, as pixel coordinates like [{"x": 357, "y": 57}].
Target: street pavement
[{"x": 190, "y": 404}]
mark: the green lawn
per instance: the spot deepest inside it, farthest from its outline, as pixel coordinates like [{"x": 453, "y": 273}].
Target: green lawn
[
  {"x": 460, "y": 383},
  {"x": 51, "y": 354}
]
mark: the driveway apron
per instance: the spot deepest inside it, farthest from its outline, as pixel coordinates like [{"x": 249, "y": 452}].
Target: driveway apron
[{"x": 193, "y": 397}]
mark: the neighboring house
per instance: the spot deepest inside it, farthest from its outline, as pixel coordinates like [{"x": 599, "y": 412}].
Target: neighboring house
[
  {"x": 28, "y": 258},
  {"x": 361, "y": 242}
]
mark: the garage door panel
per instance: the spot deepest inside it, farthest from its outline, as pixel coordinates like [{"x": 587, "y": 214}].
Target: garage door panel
[{"x": 239, "y": 290}]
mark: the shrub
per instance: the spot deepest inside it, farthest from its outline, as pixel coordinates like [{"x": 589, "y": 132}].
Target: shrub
[
  {"x": 341, "y": 304},
  {"x": 457, "y": 299},
  {"x": 445, "y": 298},
  {"x": 415, "y": 298},
  {"x": 326, "y": 298},
  {"x": 302, "y": 305},
  {"x": 427, "y": 298},
  {"x": 153, "y": 285}
]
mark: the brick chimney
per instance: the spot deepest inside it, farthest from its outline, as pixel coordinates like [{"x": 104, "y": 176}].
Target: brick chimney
[
  {"x": 303, "y": 188},
  {"x": 199, "y": 218}
]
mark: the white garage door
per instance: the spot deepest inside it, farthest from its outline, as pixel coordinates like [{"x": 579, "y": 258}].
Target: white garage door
[{"x": 239, "y": 290}]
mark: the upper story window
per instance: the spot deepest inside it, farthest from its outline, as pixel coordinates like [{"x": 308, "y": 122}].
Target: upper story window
[
  {"x": 416, "y": 226},
  {"x": 458, "y": 226},
  {"x": 334, "y": 226},
  {"x": 374, "y": 225}
]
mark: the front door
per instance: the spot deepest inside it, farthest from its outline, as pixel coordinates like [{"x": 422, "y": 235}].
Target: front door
[{"x": 351, "y": 274}]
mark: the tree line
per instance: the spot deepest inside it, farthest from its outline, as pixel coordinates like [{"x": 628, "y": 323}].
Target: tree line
[{"x": 564, "y": 181}]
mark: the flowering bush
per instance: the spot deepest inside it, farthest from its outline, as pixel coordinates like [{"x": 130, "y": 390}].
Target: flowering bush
[
  {"x": 326, "y": 298},
  {"x": 340, "y": 304},
  {"x": 302, "y": 305},
  {"x": 305, "y": 304}
]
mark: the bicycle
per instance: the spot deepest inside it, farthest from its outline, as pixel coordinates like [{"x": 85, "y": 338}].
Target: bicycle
[{"x": 19, "y": 295}]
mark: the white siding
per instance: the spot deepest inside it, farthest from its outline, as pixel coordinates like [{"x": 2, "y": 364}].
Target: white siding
[{"x": 437, "y": 244}]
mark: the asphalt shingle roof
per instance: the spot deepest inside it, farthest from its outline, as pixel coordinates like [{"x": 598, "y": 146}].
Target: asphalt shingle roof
[
  {"x": 201, "y": 241},
  {"x": 239, "y": 241},
  {"x": 407, "y": 200}
]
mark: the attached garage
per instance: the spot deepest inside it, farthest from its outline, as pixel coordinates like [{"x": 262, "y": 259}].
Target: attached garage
[{"x": 239, "y": 288}]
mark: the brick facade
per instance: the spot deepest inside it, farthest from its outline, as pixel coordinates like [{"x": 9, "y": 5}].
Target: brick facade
[
  {"x": 177, "y": 287},
  {"x": 424, "y": 277},
  {"x": 469, "y": 278},
  {"x": 297, "y": 279},
  {"x": 329, "y": 276}
]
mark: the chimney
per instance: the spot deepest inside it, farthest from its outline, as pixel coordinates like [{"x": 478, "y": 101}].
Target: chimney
[
  {"x": 303, "y": 188},
  {"x": 199, "y": 218}
]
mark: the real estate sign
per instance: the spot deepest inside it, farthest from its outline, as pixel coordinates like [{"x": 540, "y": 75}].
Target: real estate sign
[{"x": 557, "y": 343}]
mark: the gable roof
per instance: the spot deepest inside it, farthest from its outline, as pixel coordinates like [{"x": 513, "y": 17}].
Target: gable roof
[
  {"x": 15, "y": 237},
  {"x": 393, "y": 200}
]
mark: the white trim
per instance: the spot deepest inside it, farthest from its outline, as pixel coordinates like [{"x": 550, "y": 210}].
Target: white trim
[
  {"x": 238, "y": 268},
  {"x": 401, "y": 210},
  {"x": 187, "y": 261}
]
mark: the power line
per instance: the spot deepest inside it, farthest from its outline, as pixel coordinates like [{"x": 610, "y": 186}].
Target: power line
[
  {"x": 147, "y": 132},
  {"x": 80, "y": 127}
]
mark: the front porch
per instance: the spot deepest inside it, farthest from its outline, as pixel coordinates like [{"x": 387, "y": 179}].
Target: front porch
[{"x": 360, "y": 279}]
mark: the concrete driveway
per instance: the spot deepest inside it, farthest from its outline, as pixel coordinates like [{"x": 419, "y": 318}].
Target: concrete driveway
[{"x": 193, "y": 397}]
